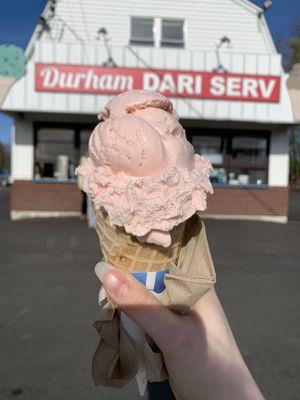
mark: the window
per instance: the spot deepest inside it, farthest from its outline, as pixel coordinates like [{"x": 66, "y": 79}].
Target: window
[
  {"x": 157, "y": 32},
  {"x": 172, "y": 33},
  {"x": 58, "y": 148},
  {"x": 249, "y": 150},
  {"x": 142, "y": 31},
  {"x": 237, "y": 158},
  {"x": 54, "y": 151},
  {"x": 84, "y": 142},
  {"x": 211, "y": 147}
]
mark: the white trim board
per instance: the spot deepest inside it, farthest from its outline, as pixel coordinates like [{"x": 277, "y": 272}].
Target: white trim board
[
  {"x": 282, "y": 219},
  {"x": 17, "y": 215}
]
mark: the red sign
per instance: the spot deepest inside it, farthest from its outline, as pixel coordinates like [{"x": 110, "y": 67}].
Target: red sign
[{"x": 174, "y": 83}]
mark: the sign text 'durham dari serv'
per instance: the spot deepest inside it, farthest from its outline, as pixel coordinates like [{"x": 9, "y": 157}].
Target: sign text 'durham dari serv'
[{"x": 174, "y": 83}]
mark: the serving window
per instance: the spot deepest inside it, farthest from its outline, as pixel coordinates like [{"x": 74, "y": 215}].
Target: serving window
[
  {"x": 58, "y": 148},
  {"x": 238, "y": 157}
]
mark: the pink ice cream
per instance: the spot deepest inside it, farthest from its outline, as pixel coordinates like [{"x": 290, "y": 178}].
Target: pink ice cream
[{"x": 142, "y": 170}]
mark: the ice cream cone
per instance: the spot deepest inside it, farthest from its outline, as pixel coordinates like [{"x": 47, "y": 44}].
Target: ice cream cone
[
  {"x": 5, "y": 84},
  {"x": 124, "y": 251}
]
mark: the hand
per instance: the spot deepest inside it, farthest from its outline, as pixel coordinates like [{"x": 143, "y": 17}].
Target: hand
[{"x": 200, "y": 353}]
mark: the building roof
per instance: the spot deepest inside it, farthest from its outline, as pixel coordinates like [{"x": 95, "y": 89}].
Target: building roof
[
  {"x": 79, "y": 21},
  {"x": 252, "y": 52}
]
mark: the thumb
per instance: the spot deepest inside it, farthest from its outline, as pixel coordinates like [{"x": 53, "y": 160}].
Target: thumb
[{"x": 138, "y": 303}]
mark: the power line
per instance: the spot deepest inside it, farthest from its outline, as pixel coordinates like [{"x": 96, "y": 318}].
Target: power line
[
  {"x": 74, "y": 33},
  {"x": 84, "y": 20}
]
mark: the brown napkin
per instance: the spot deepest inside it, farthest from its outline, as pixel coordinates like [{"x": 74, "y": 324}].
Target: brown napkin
[
  {"x": 115, "y": 360},
  {"x": 194, "y": 273}
]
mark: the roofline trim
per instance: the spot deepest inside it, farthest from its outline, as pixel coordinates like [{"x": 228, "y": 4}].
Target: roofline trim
[{"x": 264, "y": 25}]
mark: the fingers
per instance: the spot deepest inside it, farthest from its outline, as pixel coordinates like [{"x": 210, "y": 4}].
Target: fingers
[{"x": 139, "y": 304}]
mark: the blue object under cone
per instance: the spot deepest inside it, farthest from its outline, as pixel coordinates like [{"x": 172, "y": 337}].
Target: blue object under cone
[{"x": 153, "y": 281}]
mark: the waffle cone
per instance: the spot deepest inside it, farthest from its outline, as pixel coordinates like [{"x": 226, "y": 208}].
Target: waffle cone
[{"x": 124, "y": 251}]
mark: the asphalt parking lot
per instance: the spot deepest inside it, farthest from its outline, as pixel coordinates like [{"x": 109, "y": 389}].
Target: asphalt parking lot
[{"x": 48, "y": 295}]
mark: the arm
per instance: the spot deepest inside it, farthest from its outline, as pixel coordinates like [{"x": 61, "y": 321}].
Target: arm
[
  {"x": 214, "y": 367},
  {"x": 201, "y": 355}
]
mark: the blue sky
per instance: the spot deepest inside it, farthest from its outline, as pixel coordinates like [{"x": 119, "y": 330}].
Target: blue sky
[{"x": 18, "y": 19}]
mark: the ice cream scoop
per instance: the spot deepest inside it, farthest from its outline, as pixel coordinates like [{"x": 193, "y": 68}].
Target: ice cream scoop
[
  {"x": 129, "y": 144},
  {"x": 142, "y": 170},
  {"x": 134, "y": 100}
]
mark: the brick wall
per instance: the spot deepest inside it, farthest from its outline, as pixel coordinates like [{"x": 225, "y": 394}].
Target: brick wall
[
  {"x": 44, "y": 196},
  {"x": 41, "y": 196},
  {"x": 270, "y": 201}
]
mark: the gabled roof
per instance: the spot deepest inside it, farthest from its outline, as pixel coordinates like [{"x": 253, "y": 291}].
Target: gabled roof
[
  {"x": 250, "y": 6},
  {"x": 246, "y": 4}
]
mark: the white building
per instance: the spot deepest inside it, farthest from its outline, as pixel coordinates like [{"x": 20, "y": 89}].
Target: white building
[{"x": 214, "y": 58}]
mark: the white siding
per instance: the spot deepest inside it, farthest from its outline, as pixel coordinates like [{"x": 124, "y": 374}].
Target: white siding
[
  {"x": 206, "y": 21},
  {"x": 23, "y": 97},
  {"x": 22, "y": 150},
  {"x": 279, "y": 159}
]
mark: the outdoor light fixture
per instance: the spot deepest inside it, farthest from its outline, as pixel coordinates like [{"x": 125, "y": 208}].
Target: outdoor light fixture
[
  {"x": 52, "y": 7},
  {"x": 224, "y": 39},
  {"x": 102, "y": 33},
  {"x": 266, "y": 6},
  {"x": 220, "y": 67},
  {"x": 44, "y": 23}
]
